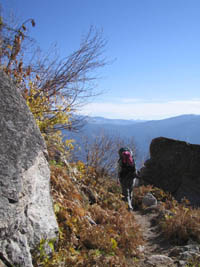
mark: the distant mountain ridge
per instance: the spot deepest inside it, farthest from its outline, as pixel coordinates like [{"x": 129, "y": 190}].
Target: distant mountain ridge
[
  {"x": 184, "y": 128},
  {"x": 102, "y": 120}
]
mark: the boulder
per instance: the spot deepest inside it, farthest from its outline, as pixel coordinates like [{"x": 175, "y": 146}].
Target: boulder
[
  {"x": 159, "y": 260},
  {"x": 184, "y": 254},
  {"x": 149, "y": 200},
  {"x": 174, "y": 166},
  {"x": 26, "y": 210}
]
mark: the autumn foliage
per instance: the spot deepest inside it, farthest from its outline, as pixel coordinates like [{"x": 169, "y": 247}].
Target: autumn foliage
[
  {"x": 95, "y": 225},
  {"x": 55, "y": 89},
  {"x": 178, "y": 222}
]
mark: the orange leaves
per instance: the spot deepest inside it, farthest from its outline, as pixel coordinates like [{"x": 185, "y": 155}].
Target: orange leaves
[
  {"x": 16, "y": 48},
  {"x": 119, "y": 226},
  {"x": 97, "y": 238},
  {"x": 79, "y": 211},
  {"x": 92, "y": 234},
  {"x": 19, "y": 69},
  {"x": 28, "y": 71},
  {"x": 181, "y": 223}
]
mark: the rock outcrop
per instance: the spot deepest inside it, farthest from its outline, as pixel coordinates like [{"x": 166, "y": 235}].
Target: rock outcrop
[
  {"x": 149, "y": 200},
  {"x": 26, "y": 211},
  {"x": 174, "y": 166}
]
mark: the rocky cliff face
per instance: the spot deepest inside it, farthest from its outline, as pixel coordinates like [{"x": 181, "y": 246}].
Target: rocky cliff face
[
  {"x": 26, "y": 213},
  {"x": 174, "y": 166}
]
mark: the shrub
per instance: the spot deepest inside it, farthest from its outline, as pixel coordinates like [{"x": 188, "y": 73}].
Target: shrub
[
  {"x": 181, "y": 223},
  {"x": 110, "y": 240}
]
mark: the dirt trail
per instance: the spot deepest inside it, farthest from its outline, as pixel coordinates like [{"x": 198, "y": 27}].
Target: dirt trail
[{"x": 154, "y": 243}]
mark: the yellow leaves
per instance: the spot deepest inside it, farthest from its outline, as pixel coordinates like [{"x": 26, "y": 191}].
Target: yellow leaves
[
  {"x": 73, "y": 220},
  {"x": 47, "y": 112},
  {"x": 168, "y": 217},
  {"x": 80, "y": 166},
  {"x": 114, "y": 243},
  {"x": 69, "y": 144},
  {"x": 48, "y": 116},
  {"x": 72, "y": 250},
  {"x": 51, "y": 244},
  {"x": 41, "y": 251},
  {"x": 9, "y": 47},
  {"x": 72, "y": 223},
  {"x": 61, "y": 233},
  {"x": 173, "y": 210},
  {"x": 48, "y": 105},
  {"x": 56, "y": 208}
]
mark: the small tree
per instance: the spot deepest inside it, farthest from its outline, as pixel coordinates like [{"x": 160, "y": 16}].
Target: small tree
[
  {"x": 55, "y": 90},
  {"x": 67, "y": 84}
]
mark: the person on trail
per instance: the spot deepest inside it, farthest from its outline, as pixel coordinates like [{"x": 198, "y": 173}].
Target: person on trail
[{"x": 126, "y": 174}]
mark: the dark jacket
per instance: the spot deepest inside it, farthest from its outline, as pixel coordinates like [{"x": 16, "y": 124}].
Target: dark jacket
[{"x": 125, "y": 172}]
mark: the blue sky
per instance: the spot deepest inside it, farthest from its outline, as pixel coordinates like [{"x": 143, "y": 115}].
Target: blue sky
[{"x": 155, "y": 44}]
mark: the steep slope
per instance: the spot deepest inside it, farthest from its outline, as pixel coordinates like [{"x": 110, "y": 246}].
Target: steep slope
[{"x": 96, "y": 228}]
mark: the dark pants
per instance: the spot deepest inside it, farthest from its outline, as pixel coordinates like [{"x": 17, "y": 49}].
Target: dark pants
[{"x": 126, "y": 181}]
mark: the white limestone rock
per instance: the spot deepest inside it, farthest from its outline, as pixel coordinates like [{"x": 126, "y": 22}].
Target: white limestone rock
[{"x": 26, "y": 210}]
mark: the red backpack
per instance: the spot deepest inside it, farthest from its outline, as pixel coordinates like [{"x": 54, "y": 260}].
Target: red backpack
[{"x": 126, "y": 157}]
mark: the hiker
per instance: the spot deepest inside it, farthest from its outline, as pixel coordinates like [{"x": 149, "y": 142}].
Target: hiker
[{"x": 126, "y": 174}]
